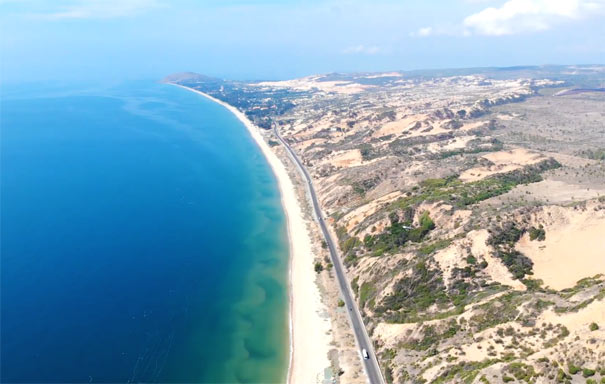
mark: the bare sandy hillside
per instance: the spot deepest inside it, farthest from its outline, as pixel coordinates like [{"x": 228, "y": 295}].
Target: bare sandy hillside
[
  {"x": 470, "y": 214},
  {"x": 574, "y": 245}
]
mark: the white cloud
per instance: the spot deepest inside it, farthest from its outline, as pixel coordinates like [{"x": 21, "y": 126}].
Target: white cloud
[
  {"x": 361, "y": 49},
  {"x": 423, "y": 32},
  {"x": 520, "y": 16},
  {"x": 98, "y": 9},
  {"x": 517, "y": 16}
]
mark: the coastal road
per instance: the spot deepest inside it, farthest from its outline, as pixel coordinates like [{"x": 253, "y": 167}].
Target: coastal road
[{"x": 361, "y": 335}]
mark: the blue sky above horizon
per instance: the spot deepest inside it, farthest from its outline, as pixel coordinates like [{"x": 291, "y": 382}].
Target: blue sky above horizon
[{"x": 271, "y": 39}]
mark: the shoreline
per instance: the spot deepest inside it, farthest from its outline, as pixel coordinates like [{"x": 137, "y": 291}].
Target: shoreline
[{"x": 307, "y": 330}]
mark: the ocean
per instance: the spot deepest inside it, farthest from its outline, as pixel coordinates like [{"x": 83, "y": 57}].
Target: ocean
[{"x": 142, "y": 240}]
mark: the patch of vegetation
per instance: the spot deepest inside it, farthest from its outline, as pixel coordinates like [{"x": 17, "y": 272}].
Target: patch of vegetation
[
  {"x": 594, "y": 154},
  {"x": 389, "y": 354},
  {"x": 430, "y": 337},
  {"x": 341, "y": 303},
  {"x": 426, "y": 224},
  {"x": 582, "y": 304},
  {"x": 318, "y": 267},
  {"x": 355, "y": 285},
  {"x": 388, "y": 374},
  {"x": 359, "y": 189},
  {"x": 521, "y": 371},
  {"x": 460, "y": 288},
  {"x": 593, "y": 326},
  {"x": 434, "y": 246},
  {"x": 572, "y": 369},
  {"x": 365, "y": 292},
  {"x": 459, "y": 194},
  {"x": 497, "y": 311},
  {"x": 503, "y": 240},
  {"x": 494, "y": 146},
  {"x": 563, "y": 333},
  {"x": 368, "y": 152},
  {"x": 423, "y": 288},
  {"x": 587, "y": 372},
  {"x": 562, "y": 376},
  {"x": 543, "y": 304},
  {"x": 348, "y": 245},
  {"x": 398, "y": 234},
  {"x": 453, "y": 328},
  {"x": 362, "y": 186},
  {"x": 466, "y": 372},
  {"x": 537, "y": 233},
  {"x": 533, "y": 284},
  {"x": 581, "y": 285},
  {"x": 413, "y": 294}
]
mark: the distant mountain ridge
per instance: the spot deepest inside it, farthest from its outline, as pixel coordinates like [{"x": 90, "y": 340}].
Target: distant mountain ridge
[{"x": 189, "y": 77}]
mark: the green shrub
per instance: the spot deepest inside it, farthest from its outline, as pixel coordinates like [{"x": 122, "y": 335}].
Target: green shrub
[
  {"x": 537, "y": 233},
  {"x": 365, "y": 291},
  {"x": 586, "y": 372},
  {"x": 532, "y": 284},
  {"x": 355, "y": 285},
  {"x": 562, "y": 376},
  {"x": 572, "y": 369},
  {"x": 341, "y": 303},
  {"x": 349, "y": 244},
  {"x": 388, "y": 375},
  {"x": 593, "y": 326},
  {"x": 426, "y": 222},
  {"x": 318, "y": 267}
]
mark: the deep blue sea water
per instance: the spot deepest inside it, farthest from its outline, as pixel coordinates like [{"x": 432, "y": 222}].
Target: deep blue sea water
[{"x": 142, "y": 239}]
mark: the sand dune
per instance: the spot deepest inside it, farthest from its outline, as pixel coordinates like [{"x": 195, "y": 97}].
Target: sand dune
[
  {"x": 503, "y": 162},
  {"x": 574, "y": 247}
]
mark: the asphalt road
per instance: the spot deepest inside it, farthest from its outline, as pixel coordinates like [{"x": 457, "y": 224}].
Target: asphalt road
[{"x": 361, "y": 335}]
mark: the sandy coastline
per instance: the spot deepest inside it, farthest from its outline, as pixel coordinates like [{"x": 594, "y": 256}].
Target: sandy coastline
[{"x": 309, "y": 339}]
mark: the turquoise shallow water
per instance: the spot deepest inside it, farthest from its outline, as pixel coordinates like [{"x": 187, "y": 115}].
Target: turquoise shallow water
[{"x": 142, "y": 240}]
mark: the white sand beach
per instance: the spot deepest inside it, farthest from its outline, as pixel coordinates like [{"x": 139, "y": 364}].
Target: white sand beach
[{"x": 309, "y": 338}]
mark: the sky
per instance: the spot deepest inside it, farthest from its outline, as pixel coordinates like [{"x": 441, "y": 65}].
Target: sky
[{"x": 63, "y": 40}]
